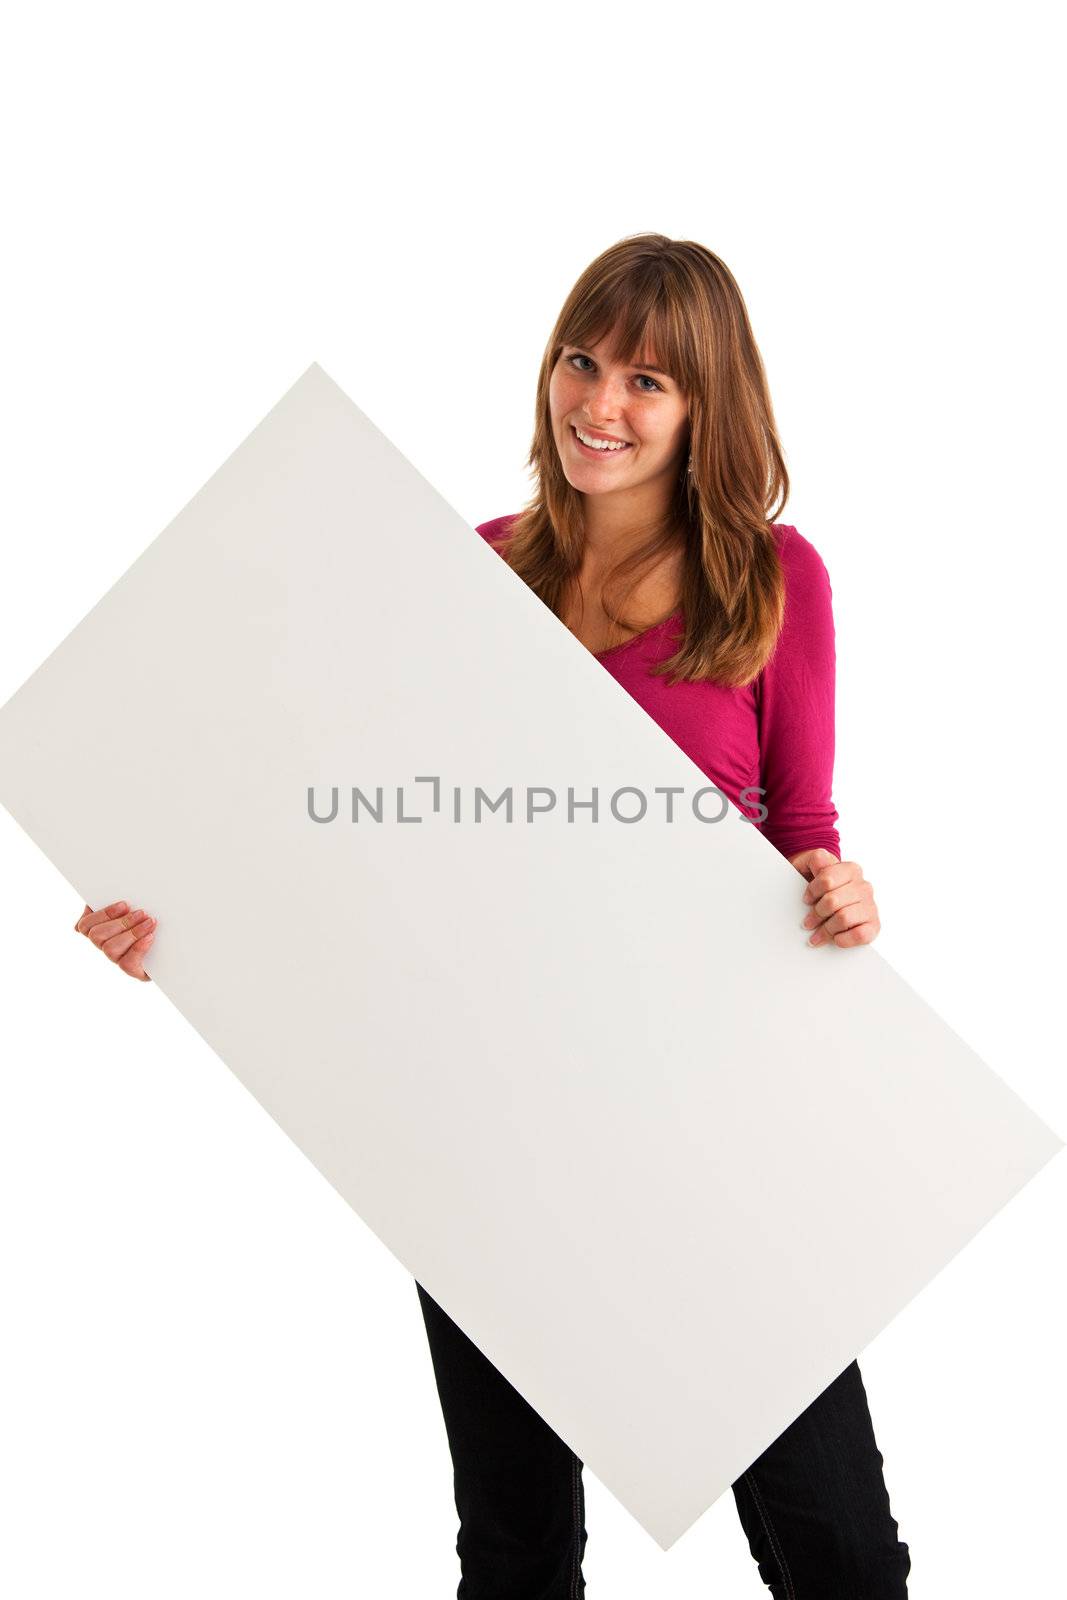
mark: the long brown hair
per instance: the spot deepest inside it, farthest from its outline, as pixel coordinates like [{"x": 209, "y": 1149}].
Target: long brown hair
[{"x": 676, "y": 298}]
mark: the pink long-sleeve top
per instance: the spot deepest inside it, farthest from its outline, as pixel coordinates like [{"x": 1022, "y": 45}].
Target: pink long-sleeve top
[{"x": 774, "y": 735}]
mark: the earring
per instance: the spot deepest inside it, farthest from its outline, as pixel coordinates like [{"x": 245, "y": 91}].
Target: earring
[{"x": 689, "y": 468}]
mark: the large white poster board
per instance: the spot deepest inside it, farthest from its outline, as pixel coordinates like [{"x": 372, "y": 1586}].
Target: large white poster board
[{"x": 668, "y": 1166}]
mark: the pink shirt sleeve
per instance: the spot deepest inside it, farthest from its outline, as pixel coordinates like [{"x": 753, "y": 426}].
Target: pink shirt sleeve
[{"x": 795, "y": 705}]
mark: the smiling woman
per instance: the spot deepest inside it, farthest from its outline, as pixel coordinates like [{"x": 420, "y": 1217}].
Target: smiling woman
[
  {"x": 653, "y": 351},
  {"x": 659, "y": 471}
]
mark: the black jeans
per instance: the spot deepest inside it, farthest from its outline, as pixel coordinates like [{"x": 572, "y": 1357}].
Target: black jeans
[{"x": 814, "y": 1506}]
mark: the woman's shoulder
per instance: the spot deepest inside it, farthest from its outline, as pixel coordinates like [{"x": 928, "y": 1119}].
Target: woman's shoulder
[
  {"x": 804, "y": 569},
  {"x": 796, "y": 551},
  {"x": 492, "y": 530}
]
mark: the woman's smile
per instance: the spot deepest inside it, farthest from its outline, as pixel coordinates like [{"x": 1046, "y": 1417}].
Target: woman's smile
[{"x": 605, "y": 451}]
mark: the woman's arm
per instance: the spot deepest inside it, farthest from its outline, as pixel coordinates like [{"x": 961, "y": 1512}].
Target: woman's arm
[
  {"x": 796, "y": 695},
  {"x": 795, "y": 706}
]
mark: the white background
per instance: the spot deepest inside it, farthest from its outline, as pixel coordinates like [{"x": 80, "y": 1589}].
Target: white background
[{"x": 215, "y": 1377}]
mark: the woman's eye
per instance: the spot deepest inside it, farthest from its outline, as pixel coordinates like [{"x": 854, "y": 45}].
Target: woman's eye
[{"x": 642, "y": 377}]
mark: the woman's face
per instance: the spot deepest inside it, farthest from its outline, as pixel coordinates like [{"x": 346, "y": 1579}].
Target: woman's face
[{"x": 641, "y": 407}]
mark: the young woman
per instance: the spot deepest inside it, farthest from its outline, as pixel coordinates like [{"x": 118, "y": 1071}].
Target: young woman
[{"x": 651, "y": 538}]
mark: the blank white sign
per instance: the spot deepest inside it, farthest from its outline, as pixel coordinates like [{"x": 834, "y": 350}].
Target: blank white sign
[{"x": 668, "y": 1166}]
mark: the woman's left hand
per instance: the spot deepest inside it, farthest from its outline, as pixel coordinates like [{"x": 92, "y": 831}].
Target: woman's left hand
[{"x": 843, "y": 911}]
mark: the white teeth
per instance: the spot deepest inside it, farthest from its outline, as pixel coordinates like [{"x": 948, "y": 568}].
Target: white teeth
[{"x": 599, "y": 444}]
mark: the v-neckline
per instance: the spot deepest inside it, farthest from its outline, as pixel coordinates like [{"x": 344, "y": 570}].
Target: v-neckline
[{"x": 627, "y": 644}]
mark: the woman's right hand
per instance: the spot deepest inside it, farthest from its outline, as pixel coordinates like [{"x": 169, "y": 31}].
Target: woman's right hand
[{"x": 123, "y": 935}]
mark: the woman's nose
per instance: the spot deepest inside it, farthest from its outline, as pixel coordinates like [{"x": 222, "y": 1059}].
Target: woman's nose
[{"x": 605, "y": 400}]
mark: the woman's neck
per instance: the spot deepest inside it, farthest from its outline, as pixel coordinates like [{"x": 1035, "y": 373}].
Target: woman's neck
[{"x": 616, "y": 525}]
